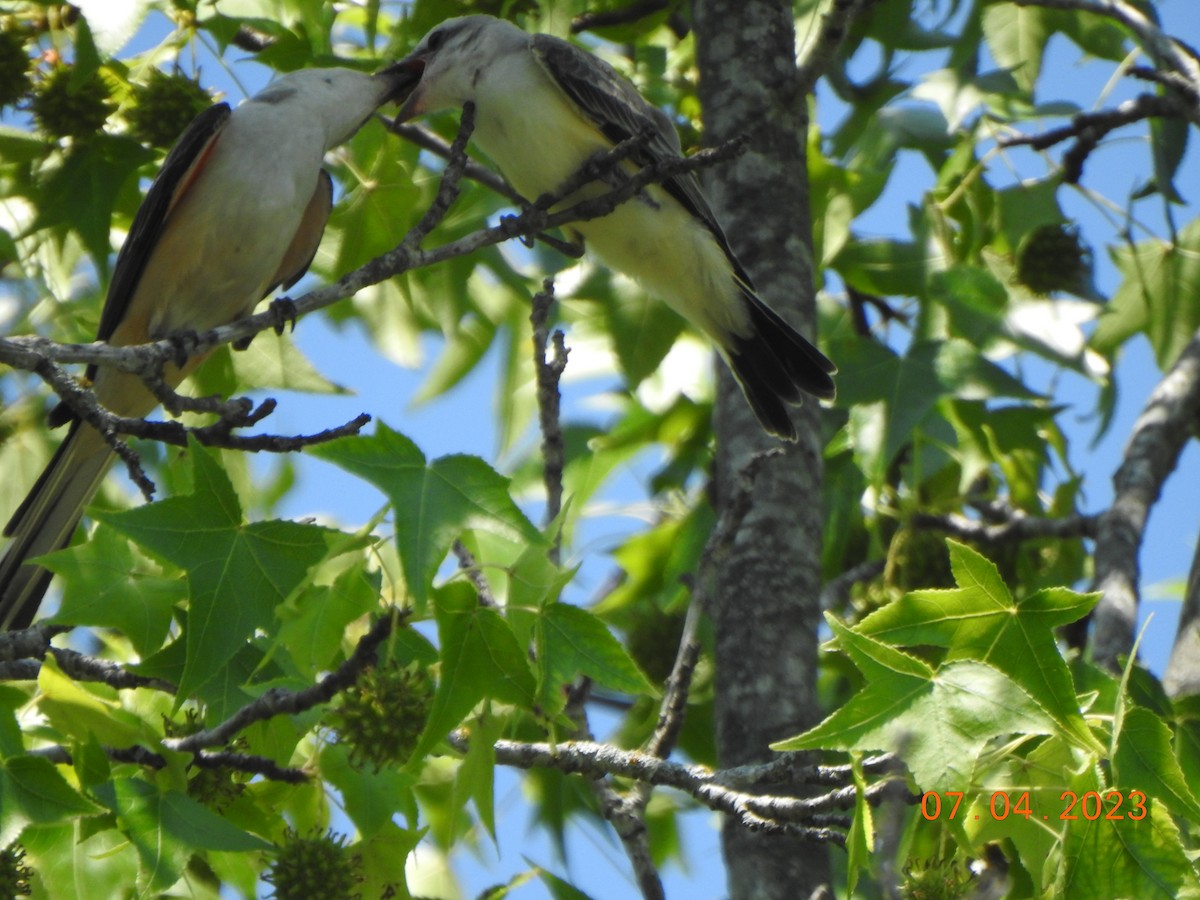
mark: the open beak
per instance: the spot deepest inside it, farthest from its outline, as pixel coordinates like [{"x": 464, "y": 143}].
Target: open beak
[{"x": 405, "y": 76}]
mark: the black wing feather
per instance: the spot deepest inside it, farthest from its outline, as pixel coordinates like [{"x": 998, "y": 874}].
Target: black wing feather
[
  {"x": 620, "y": 112},
  {"x": 148, "y": 222}
]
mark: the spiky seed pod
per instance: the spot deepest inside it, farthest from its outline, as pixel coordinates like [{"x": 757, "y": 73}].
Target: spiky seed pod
[
  {"x": 164, "y": 106},
  {"x": 14, "y": 874},
  {"x": 933, "y": 879},
  {"x": 315, "y": 866},
  {"x": 65, "y": 110},
  {"x": 1052, "y": 258},
  {"x": 14, "y": 67},
  {"x": 381, "y": 716}
]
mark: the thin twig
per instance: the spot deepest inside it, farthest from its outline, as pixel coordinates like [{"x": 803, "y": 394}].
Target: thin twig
[{"x": 1089, "y": 128}]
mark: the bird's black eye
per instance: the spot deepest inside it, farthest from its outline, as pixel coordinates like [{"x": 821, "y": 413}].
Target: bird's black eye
[{"x": 435, "y": 39}]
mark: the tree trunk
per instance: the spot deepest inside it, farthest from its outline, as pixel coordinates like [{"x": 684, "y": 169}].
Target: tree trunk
[{"x": 765, "y": 612}]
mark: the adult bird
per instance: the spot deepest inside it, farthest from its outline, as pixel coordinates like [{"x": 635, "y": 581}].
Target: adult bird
[
  {"x": 543, "y": 107},
  {"x": 237, "y": 210}
]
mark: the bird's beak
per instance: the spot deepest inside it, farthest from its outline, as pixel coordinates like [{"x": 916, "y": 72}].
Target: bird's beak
[{"x": 406, "y": 75}]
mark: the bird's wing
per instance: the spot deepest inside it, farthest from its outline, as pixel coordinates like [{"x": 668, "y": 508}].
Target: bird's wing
[
  {"x": 179, "y": 171},
  {"x": 300, "y": 252},
  {"x": 614, "y": 105}
]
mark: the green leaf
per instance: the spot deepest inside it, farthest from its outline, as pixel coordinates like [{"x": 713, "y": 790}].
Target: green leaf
[
  {"x": 434, "y": 502},
  {"x": 860, "y": 839},
  {"x": 476, "y": 776},
  {"x": 103, "y": 587},
  {"x": 198, "y": 826},
  {"x": 560, "y": 889},
  {"x": 1017, "y": 36},
  {"x": 937, "y": 721},
  {"x": 1159, "y": 295},
  {"x": 1128, "y": 858},
  {"x": 384, "y": 855},
  {"x": 313, "y": 631},
  {"x": 32, "y": 791},
  {"x": 275, "y": 362},
  {"x": 1023, "y": 208},
  {"x": 890, "y": 397},
  {"x": 79, "y": 712},
  {"x": 981, "y": 621},
  {"x": 643, "y": 330},
  {"x": 1145, "y": 761},
  {"x": 885, "y": 268},
  {"x": 574, "y": 642},
  {"x": 82, "y": 193},
  {"x": 481, "y": 657},
  {"x": 139, "y": 815},
  {"x": 237, "y": 573},
  {"x": 370, "y": 798}
]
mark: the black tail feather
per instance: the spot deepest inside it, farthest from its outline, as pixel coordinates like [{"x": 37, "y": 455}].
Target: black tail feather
[{"x": 775, "y": 366}]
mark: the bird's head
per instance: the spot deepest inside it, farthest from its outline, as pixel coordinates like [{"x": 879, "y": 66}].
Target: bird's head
[
  {"x": 341, "y": 99},
  {"x": 451, "y": 59}
]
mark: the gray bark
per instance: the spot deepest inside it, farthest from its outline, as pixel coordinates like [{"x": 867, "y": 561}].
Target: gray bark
[{"x": 765, "y": 609}]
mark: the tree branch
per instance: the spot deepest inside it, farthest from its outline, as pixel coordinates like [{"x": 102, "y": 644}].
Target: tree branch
[
  {"x": 277, "y": 701},
  {"x": 1089, "y": 128},
  {"x": 634, "y": 12},
  {"x": 1167, "y": 51},
  {"x": 548, "y": 374},
  {"x": 225, "y": 759},
  {"x": 1020, "y": 527},
  {"x": 772, "y": 814},
  {"x": 1167, "y": 422}
]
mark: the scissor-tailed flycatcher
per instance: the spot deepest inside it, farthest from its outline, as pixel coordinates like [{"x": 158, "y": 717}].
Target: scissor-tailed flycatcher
[
  {"x": 542, "y": 108},
  {"x": 237, "y": 211}
]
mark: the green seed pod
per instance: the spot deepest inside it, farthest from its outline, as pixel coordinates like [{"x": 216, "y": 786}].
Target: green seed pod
[
  {"x": 64, "y": 110},
  {"x": 14, "y": 68},
  {"x": 1051, "y": 258},
  {"x": 314, "y": 866},
  {"x": 383, "y": 714},
  {"x": 164, "y": 106}
]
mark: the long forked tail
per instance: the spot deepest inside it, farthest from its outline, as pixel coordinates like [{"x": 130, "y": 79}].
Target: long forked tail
[
  {"x": 45, "y": 521},
  {"x": 775, "y": 366}
]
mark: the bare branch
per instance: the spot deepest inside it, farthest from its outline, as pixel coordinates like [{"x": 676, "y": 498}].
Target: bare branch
[
  {"x": 1089, "y": 128},
  {"x": 634, "y": 12},
  {"x": 141, "y": 756},
  {"x": 1167, "y": 422},
  {"x": 469, "y": 566},
  {"x": 774, "y": 814},
  {"x": 674, "y": 702},
  {"x": 1182, "y": 677},
  {"x": 1020, "y": 527},
  {"x": 549, "y": 373}
]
